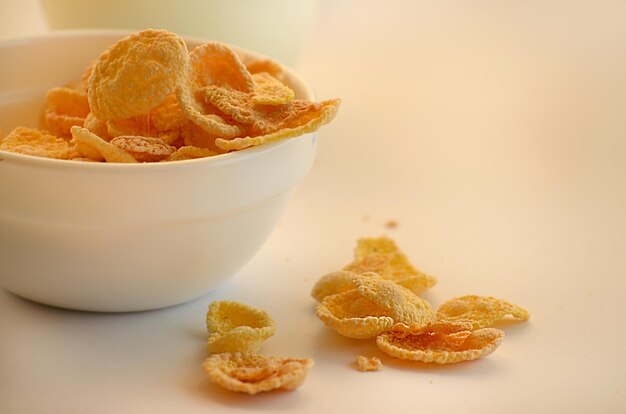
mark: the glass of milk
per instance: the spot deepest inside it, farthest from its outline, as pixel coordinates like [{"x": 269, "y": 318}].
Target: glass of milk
[{"x": 276, "y": 28}]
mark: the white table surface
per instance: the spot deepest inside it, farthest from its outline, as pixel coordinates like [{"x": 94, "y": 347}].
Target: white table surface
[{"x": 494, "y": 133}]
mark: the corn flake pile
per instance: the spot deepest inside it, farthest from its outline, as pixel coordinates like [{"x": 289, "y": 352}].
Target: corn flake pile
[
  {"x": 148, "y": 99},
  {"x": 376, "y": 296},
  {"x": 236, "y": 333}
]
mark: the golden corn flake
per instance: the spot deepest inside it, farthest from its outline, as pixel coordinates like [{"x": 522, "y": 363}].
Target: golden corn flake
[
  {"x": 373, "y": 307},
  {"x": 252, "y": 374},
  {"x": 310, "y": 121},
  {"x": 137, "y": 73},
  {"x": 332, "y": 283},
  {"x": 97, "y": 126},
  {"x": 236, "y": 327},
  {"x": 481, "y": 311},
  {"x": 264, "y": 65},
  {"x": 194, "y": 136},
  {"x": 270, "y": 91},
  {"x": 35, "y": 142},
  {"x": 381, "y": 255},
  {"x": 65, "y": 108},
  {"x": 368, "y": 364},
  {"x": 144, "y": 149},
  {"x": 213, "y": 64},
  {"x": 92, "y": 146},
  {"x": 441, "y": 348},
  {"x": 190, "y": 153}
]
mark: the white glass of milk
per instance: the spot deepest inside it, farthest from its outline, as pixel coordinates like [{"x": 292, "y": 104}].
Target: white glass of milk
[{"x": 276, "y": 28}]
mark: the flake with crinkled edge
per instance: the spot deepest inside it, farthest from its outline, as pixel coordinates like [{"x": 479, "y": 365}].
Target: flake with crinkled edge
[
  {"x": 441, "y": 348},
  {"x": 332, "y": 283},
  {"x": 381, "y": 255},
  {"x": 252, "y": 374},
  {"x": 368, "y": 364},
  {"x": 326, "y": 113},
  {"x": 144, "y": 149},
  {"x": 270, "y": 91},
  {"x": 92, "y": 146},
  {"x": 35, "y": 142},
  {"x": 213, "y": 64},
  {"x": 373, "y": 307},
  {"x": 137, "y": 73},
  {"x": 481, "y": 311},
  {"x": 236, "y": 327}
]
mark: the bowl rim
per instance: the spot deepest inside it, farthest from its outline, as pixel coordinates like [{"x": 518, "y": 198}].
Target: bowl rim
[{"x": 227, "y": 158}]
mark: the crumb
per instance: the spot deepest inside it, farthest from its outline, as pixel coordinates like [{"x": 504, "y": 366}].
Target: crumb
[
  {"x": 391, "y": 224},
  {"x": 366, "y": 364}
]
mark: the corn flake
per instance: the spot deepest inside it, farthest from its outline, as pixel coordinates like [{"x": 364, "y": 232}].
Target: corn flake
[
  {"x": 332, "y": 283},
  {"x": 481, "y": 311},
  {"x": 441, "y": 348},
  {"x": 65, "y": 108},
  {"x": 136, "y": 74},
  {"x": 373, "y": 307},
  {"x": 35, "y": 142},
  {"x": 270, "y": 91},
  {"x": 252, "y": 374},
  {"x": 381, "y": 255},
  {"x": 236, "y": 327},
  {"x": 309, "y": 121},
  {"x": 144, "y": 149},
  {"x": 190, "y": 153},
  {"x": 92, "y": 146}
]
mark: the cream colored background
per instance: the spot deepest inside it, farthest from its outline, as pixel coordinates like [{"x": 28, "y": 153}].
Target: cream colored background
[{"x": 494, "y": 133}]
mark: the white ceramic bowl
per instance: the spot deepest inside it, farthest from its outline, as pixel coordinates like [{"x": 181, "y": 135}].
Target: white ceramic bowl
[{"x": 122, "y": 237}]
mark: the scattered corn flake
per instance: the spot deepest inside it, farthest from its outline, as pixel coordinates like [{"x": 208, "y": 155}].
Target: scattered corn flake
[
  {"x": 256, "y": 373},
  {"x": 381, "y": 255},
  {"x": 481, "y": 311},
  {"x": 332, "y": 283},
  {"x": 236, "y": 327},
  {"x": 35, "y": 142},
  {"x": 304, "y": 125},
  {"x": 270, "y": 91},
  {"x": 373, "y": 307},
  {"x": 368, "y": 364},
  {"x": 92, "y": 146},
  {"x": 441, "y": 348},
  {"x": 402, "y": 330},
  {"x": 189, "y": 153},
  {"x": 144, "y": 149},
  {"x": 352, "y": 316},
  {"x": 137, "y": 73}
]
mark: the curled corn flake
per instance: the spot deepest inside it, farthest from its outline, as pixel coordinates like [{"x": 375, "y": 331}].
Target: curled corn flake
[
  {"x": 194, "y": 136},
  {"x": 189, "y": 153},
  {"x": 481, "y": 311},
  {"x": 35, "y": 142},
  {"x": 303, "y": 125},
  {"x": 381, "y": 255},
  {"x": 144, "y": 149},
  {"x": 270, "y": 91},
  {"x": 92, "y": 146},
  {"x": 137, "y": 73},
  {"x": 65, "y": 108},
  {"x": 372, "y": 308},
  {"x": 368, "y": 364},
  {"x": 332, "y": 283},
  {"x": 352, "y": 316},
  {"x": 264, "y": 65},
  {"x": 256, "y": 373},
  {"x": 441, "y": 348},
  {"x": 213, "y": 64},
  {"x": 236, "y": 327},
  {"x": 402, "y": 330},
  {"x": 402, "y": 304}
]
